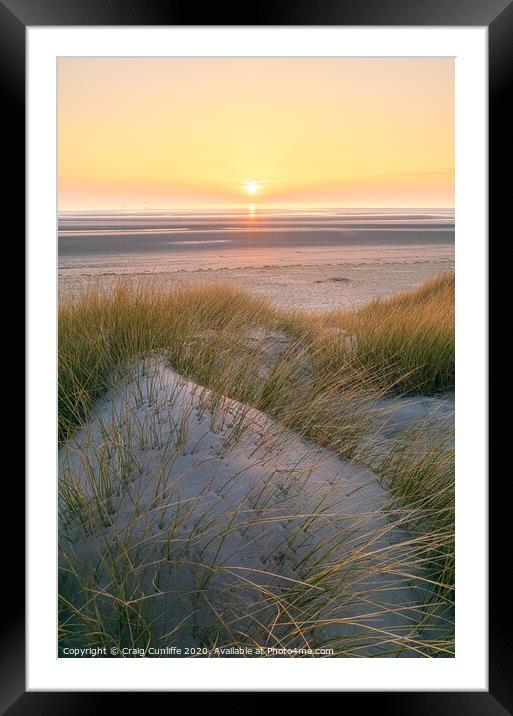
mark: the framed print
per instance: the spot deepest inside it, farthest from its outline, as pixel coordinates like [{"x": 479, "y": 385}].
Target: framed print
[{"x": 257, "y": 301}]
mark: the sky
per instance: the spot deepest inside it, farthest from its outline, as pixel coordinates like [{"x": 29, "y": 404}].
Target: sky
[{"x": 167, "y": 133}]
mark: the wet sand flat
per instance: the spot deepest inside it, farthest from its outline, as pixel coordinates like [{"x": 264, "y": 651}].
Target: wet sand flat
[{"x": 311, "y": 261}]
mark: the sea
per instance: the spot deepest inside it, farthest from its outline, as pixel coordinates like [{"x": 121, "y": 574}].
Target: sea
[{"x": 312, "y": 260}]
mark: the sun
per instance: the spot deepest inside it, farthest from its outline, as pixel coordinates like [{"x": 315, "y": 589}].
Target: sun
[{"x": 251, "y": 187}]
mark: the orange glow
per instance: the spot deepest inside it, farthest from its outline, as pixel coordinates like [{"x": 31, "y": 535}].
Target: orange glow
[{"x": 163, "y": 133}]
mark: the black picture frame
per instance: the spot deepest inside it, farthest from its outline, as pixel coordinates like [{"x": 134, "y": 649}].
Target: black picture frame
[{"x": 497, "y": 15}]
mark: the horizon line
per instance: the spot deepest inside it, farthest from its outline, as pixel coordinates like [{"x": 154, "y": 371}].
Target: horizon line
[{"x": 254, "y": 206}]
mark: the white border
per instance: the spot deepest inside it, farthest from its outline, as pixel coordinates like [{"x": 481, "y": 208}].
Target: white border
[{"x": 468, "y": 670}]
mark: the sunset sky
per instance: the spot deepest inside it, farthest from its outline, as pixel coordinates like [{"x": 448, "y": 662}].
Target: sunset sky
[{"x": 166, "y": 133}]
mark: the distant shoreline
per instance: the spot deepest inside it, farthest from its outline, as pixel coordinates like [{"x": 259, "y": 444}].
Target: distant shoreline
[{"x": 310, "y": 260}]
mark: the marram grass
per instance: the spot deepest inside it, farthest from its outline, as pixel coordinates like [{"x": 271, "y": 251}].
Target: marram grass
[
  {"x": 410, "y": 334},
  {"x": 403, "y": 344},
  {"x": 325, "y": 385}
]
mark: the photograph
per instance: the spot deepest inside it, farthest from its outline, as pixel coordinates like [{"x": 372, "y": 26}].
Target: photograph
[{"x": 256, "y": 357}]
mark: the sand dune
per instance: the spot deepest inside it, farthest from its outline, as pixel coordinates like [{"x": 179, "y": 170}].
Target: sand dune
[{"x": 231, "y": 529}]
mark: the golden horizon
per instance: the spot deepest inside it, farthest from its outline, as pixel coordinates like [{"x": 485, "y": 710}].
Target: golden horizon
[{"x": 334, "y": 132}]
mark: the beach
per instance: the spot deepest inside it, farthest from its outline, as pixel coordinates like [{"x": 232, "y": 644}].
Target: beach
[{"x": 311, "y": 261}]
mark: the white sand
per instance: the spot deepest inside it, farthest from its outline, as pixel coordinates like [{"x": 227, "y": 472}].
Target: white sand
[{"x": 216, "y": 513}]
